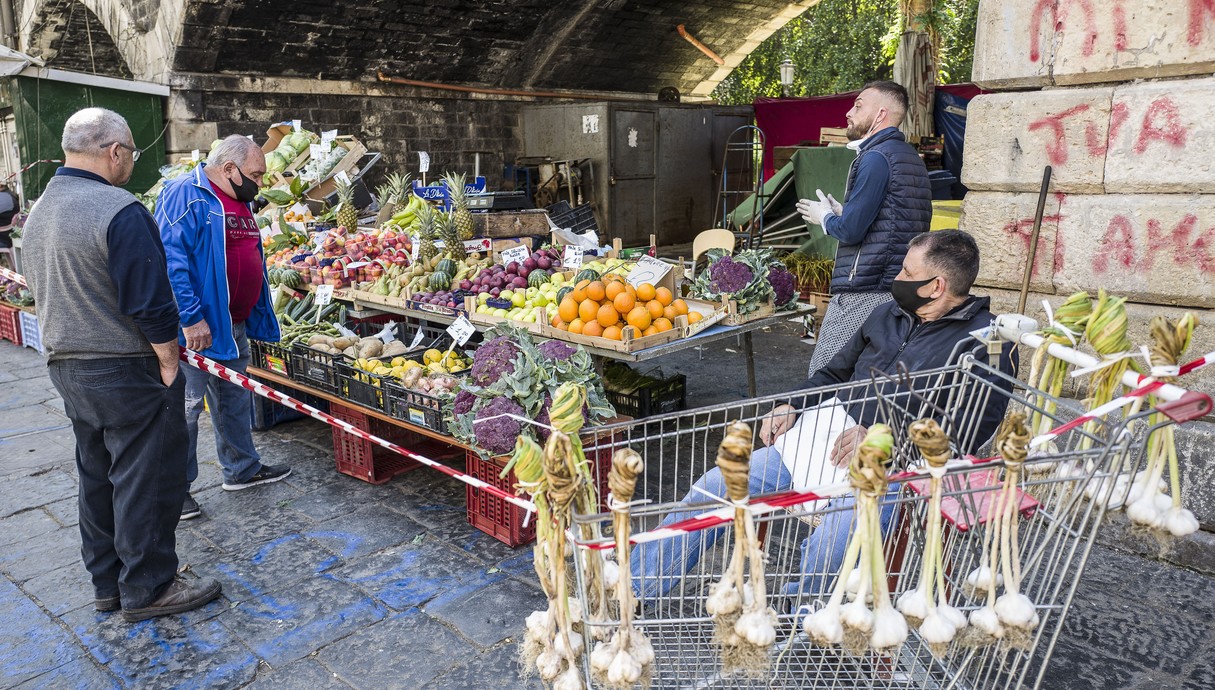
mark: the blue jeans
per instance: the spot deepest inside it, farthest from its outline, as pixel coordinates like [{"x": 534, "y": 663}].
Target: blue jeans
[
  {"x": 231, "y": 415},
  {"x": 658, "y": 566}
]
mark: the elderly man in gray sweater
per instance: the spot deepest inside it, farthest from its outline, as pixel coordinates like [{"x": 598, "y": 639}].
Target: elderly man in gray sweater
[{"x": 95, "y": 263}]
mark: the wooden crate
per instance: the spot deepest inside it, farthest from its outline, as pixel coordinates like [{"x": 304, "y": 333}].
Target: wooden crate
[
  {"x": 833, "y": 135},
  {"x": 489, "y": 320},
  {"x": 528, "y": 223},
  {"x": 733, "y": 318}
]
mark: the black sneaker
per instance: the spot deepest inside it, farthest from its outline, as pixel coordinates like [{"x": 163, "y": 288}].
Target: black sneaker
[
  {"x": 107, "y": 604},
  {"x": 266, "y": 475},
  {"x": 189, "y": 508},
  {"x": 179, "y": 597}
]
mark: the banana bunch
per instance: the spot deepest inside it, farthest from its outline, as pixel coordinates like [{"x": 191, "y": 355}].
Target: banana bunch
[{"x": 406, "y": 219}]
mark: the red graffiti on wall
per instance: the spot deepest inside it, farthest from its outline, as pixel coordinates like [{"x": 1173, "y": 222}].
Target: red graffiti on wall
[
  {"x": 1161, "y": 122},
  {"x": 1059, "y": 10},
  {"x": 1199, "y": 9},
  {"x": 1170, "y": 130},
  {"x": 1119, "y": 27},
  {"x": 1119, "y": 250},
  {"x": 1022, "y": 229}
]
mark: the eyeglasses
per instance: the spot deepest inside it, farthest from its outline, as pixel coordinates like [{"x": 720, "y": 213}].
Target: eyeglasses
[{"x": 135, "y": 153}]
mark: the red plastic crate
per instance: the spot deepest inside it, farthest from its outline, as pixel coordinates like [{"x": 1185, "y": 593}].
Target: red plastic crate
[
  {"x": 10, "y": 324},
  {"x": 365, "y": 460},
  {"x": 502, "y": 520}
]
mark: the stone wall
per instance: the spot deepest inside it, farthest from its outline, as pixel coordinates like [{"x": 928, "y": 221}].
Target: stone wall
[
  {"x": 395, "y": 121},
  {"x": 1118, "y": 99}
]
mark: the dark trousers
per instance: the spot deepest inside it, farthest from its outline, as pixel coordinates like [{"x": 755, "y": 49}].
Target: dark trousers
[{"x": 131, "y": 456}]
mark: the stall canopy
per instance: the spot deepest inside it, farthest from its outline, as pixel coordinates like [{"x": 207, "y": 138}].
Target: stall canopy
[{"x": 798, "y": 121}]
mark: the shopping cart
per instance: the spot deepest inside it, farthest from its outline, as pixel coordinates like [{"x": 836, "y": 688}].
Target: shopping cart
[{"x": 1057, "y": 527}]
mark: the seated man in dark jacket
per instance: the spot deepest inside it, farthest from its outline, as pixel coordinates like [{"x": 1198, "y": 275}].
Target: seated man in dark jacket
[{"x": 927, "y": 326}]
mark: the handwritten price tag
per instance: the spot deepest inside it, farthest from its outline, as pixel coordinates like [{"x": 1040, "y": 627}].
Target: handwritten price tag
[
  {"x": 423, "y": 161},
  {"x": 342, "y": 177},
  {"x": 299, "y": 208},
  {"x": 648, "y": 270},
  {"x": 417, "y": 339},
  {"x": 572, "y": 258},
  {"x": 461, "y": 330},
  {"x": 297, "y": 125},
  {"x": 316, "y": 150},
  {"x": 324, "y": 295},
  {"x": 516, "y": 254},
  {"x": 414, "y": 243},
  {"x": 328, "y": 136}
]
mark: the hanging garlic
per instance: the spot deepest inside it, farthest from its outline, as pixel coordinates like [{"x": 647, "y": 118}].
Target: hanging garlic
[
  {"x": 570, "y": 680},
  {"x": 624, "y": 670}
]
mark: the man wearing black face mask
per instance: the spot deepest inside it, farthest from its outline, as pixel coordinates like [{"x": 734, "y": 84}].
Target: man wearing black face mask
[{"x": 218, "y": 274}]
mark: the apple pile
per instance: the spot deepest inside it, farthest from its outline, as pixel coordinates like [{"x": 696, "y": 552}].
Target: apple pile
[
  {"x": 513, "y": 276},
  {"x": 524, "y": 303}
]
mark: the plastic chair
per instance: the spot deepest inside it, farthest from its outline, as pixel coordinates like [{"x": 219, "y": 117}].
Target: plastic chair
[{"x": 716, "y": 238}]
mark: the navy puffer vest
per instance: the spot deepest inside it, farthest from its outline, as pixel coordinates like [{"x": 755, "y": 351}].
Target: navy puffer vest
[{"x": 905, "y": 212}]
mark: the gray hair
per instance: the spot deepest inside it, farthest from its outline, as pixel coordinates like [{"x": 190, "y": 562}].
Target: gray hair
[
  {"x": 235, "y": 148},
  {"x": 88, "y": 130}
]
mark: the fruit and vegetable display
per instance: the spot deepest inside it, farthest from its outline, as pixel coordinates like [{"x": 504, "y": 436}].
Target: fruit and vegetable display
[
  {"x": 288, "y": 149},
  {"x": 435, "y": 281},
  {"x": 513, "y": 379},
  {"x": 751, "y": 278},
  {"x": 300, "y": 318},
  {"x": 15, "y": 293},
  {"x": 432, "y": 376}
]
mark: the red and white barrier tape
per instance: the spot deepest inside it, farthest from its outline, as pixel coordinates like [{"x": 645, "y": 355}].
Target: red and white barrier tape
[
  {"x": 719, "y": 517},
  {"x": 215, "y": 369},
  {"x": 1149, "y": 385},
  {"x": 15, "y": 277}
]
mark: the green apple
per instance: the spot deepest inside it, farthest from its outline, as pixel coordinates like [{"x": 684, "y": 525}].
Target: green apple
[
  {"x": 532, "y": 291},
  {"x": 555, "y": 280},
  {"x": 500, "y": 313},
  {"x": 530, "y": 318},
  {"x": 483, "y": 297},
  {"x": 518, "y": 299},
  {"x": 541, "y": 301},
  {"x": 506, "y": 294}
]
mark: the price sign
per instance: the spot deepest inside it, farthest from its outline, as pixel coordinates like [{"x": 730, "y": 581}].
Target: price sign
[
  {"x": 298, "y": 209},
  {"x": 324, "y": 295},
  {"x": 572, "y": 259},
  {"x": 417, "y": 339},
  {"x": 195, "y": 155},
  {"x": 342, "y": 177},
  {"x": 414, "y": 243},
  {"x": 316, "y": 150},
  {"x": 297, "y": 125},
  {"x": 461, "y": 330},
  {"x": 648, "y": 270},
  {"x": 328, "y": 136},
  {"x": 516, "y": 254},
  {"x": 423, "y": 161}
]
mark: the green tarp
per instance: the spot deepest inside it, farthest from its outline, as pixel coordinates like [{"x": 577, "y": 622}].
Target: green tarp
[{"x": 824, "y": 168}]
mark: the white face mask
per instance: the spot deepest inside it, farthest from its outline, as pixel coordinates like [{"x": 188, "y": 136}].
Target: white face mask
[{"x": 856, "y": 145}]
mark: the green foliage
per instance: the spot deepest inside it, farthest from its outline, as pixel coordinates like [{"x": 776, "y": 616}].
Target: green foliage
[{"x": 838, "y": 45}]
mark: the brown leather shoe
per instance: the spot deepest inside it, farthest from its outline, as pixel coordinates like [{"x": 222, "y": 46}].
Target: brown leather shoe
[
  {"x": 180, "y": 596},
  {"x": 107, "y": 604}
]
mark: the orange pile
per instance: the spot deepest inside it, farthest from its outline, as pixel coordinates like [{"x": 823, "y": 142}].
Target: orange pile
[{"x": 604, "y": 308}]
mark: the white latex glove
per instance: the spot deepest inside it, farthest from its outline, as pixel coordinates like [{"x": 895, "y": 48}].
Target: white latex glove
[
  {"x": 813, "y": 211},
  {"x": 836, "y": 207}
]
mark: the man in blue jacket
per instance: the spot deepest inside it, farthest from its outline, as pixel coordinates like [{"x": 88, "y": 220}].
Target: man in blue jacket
[
  {"x": 218, "y": 273},
  {"x": 927, "y": 326},
  {"x": 888, "y": 201}
]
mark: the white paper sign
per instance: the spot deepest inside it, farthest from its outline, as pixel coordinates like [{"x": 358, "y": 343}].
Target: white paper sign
[
  {"x": 328, "y": 136},
  {"x": 342, "y": 177},
  {"x": 648, "y": 270},
  {"x": 195, "y": 155},
  {"x": 316, "y": 150},
  {"x": 461, "y": 330},
  {"x": 516, "y": 254},
  {"x": 417, "y": 339},
  {"x": 297, "y": 125},
  {"x": 572, "y": 259},
  {"x": 298, "y": 208},
  {"x": 423, "y": 161},
  {"x": 324, "y": 295},
  {"x": 414, "y": 243}
]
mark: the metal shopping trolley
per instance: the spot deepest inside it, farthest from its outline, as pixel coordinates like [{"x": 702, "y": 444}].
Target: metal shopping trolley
[{"x": 1058, "y": 523}]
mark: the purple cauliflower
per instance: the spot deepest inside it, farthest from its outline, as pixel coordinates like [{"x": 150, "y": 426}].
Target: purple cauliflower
[
  {"x": 557, "y": 350},
  {"x": 498, "y": 435},
  {"x": 543, "y": 420},
  {"x": 492, "y": 360},
  {"x": 463, "y": 402},
  {"x": 783, "y": 285},
  {"x": 729, "y": 276}
]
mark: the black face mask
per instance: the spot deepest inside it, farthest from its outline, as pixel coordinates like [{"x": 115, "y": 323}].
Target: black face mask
[
  {"x": 906, "y": 296},
  {"x": 246, "y": 191}
]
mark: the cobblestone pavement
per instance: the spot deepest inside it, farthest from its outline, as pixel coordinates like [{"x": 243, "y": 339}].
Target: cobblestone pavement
[{"x": 330, "y": 582}]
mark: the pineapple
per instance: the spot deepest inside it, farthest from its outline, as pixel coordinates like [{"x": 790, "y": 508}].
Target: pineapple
[
  {"x": 391, "y": 195},
  {"x": 347, "y": 214},
  {"x": 459, "y": 205},
  {"x": 426, "y": 234},
  {"x": 451, "y": 238}
]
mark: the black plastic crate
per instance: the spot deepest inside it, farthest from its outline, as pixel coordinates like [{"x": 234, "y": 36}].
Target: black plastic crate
[
  {"x": 659, "y": 397},
  {"x": 360, "y": 387},
  {"x": 578, "y": 219},
  {"x": 265, "y": 413},
  {"x": 414, "y": 407},
  {"x": 315, "y": 369},
  {"x": 271, "y": 357}
]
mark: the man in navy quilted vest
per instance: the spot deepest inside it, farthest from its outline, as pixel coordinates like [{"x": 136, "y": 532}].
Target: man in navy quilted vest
[{"x": 888, "y": 201}]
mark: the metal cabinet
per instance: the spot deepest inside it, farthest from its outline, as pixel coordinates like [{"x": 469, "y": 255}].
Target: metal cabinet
[{"x": 655, "y": 164}]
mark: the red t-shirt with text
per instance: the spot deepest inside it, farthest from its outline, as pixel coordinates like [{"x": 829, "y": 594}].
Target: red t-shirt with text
[{"x": 244, "y": 257}]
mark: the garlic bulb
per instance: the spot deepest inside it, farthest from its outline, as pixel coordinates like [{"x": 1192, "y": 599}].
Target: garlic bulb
[
  {"x": 568, "y": 644},
  {"x": 889, "y": 628},
  {"x": 570, "y": 680},
  {"x": 982, "y": 579},
  {"x": 611, "y": 574},
  {"x": 643, "y": 651},
  {"x": 1144, "y": 512},
  {"x": 540, "y": 625},
  {"x": 1016, "y": 610},
  {"x": 914, "y": 604},
  {"x": 548, "y": 663},
  {"x": 937, "y": 629},
  {"x": 953, "y": 615},
  {"x": 857, "y": 616},
  {"x": 986, "y": 621},
  {"x": 624, "y": 669},
  {"x": 601, "y": 657},
  {"x": 1180, "y": 522},
  {"x": 723, "y": 599},
  {"x": 824, "y": 626},
  {"x": 756, "y": 627}
]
